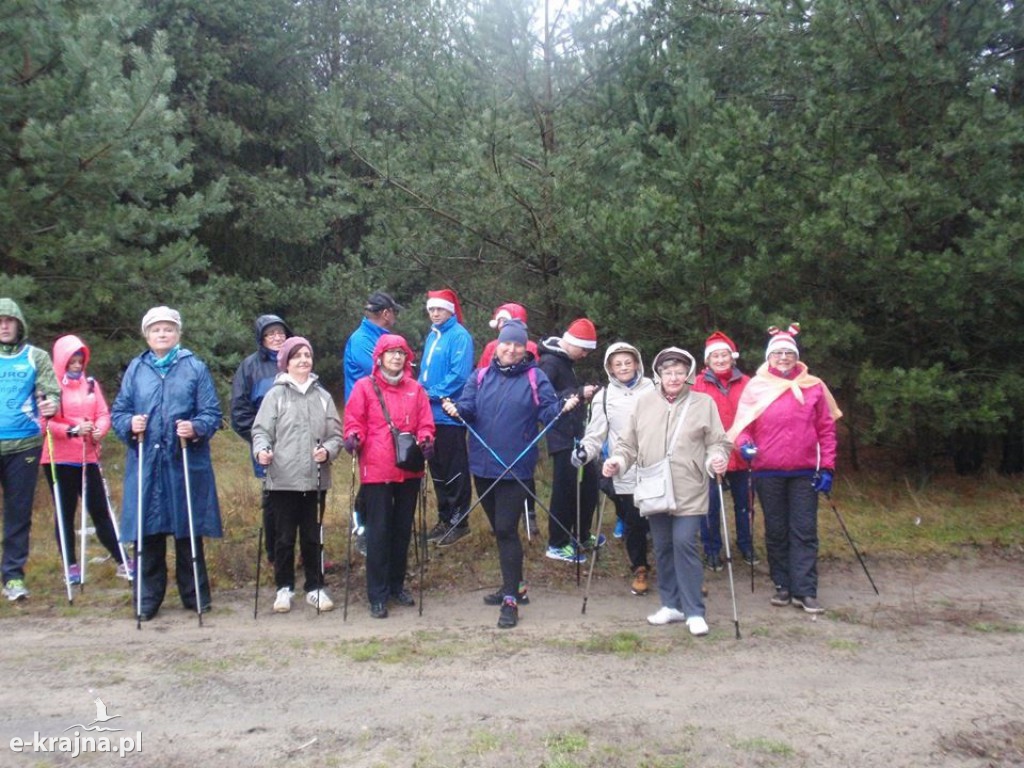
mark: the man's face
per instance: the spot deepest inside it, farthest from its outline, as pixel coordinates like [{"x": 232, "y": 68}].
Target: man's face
[
  {"x": 576, "y": 353},
  {"x": 9, "y": 328},
  {"x": 274, "y": 336},
  {"x": 438, "y": 315}
]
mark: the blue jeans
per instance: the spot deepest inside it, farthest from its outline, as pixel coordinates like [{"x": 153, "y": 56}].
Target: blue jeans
[
  {"x": 680, "y": 572},
  {"x": 791, "y": 532},
  {"x": 711, "y": 524}
]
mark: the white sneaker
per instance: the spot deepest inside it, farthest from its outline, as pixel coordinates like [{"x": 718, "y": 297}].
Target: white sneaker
[
  {"x": 320, "y": 595},
  {"x": 666, "y": 615},
  {"x": 283, "y": 603},
  {"x": 697, "y": 625}
]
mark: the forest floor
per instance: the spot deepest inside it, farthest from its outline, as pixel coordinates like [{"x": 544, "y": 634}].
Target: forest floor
[{"x": 929, "y": 673}]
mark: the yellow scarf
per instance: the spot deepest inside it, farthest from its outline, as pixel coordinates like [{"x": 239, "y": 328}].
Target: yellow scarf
[{"x": 765, "y": 388}]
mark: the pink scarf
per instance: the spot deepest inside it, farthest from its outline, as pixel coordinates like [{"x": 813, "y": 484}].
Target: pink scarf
[{"x": 765, "y": 388}]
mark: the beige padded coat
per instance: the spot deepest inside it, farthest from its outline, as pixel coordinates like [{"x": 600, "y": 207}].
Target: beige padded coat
[{"x": 701, "y": 438}]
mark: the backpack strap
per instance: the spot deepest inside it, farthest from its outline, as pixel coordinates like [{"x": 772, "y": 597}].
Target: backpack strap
[{"x": 531, "y": 375}]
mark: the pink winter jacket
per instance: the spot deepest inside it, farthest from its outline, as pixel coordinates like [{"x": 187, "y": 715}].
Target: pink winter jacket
[
  {"x": 409, "y": 409},
  {"x": 789, "y": 434},
  {"x": 80, "y": 400}
]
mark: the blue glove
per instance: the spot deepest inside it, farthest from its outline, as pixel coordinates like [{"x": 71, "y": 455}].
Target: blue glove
[
  {"x": 748, "y": 451},
  {"x": 823, "y": 482}
]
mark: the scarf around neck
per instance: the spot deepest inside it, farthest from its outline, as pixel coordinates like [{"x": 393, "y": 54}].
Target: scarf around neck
[{"x": 764, "y": 388}]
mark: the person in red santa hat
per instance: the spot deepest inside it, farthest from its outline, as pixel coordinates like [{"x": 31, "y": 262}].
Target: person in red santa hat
[
  {"x": 446, "y": 365},
  {"x": 558, "y": 354},
  {"x": 503, "y": 314},
  {"x": 724, "y": 382}
]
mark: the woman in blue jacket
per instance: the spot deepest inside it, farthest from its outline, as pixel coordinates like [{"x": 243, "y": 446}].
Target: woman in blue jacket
[
  {"x": 504, "y": 403},
  {"x": 167, "y": 395}
]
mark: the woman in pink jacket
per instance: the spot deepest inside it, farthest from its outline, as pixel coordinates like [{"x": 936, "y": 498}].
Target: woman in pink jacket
[
  {"x": 389, "y": 492},
  {"x": 77, "y": 430},
  {"x": 786, "y": 427}
]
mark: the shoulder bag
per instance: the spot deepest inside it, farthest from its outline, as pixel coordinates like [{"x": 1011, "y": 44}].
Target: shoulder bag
[
  {"x": 654, "y": 492},
  {"x": 408, "y": 455}
]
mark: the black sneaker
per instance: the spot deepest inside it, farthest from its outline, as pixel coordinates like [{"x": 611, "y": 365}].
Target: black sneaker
[
  {"x": 509, "y": 615},
  {"x": 809, "y": 604},
  {"x": 497, "y": 598},
  {"x": 451, "y": 536},
  {"x": 378, "y": 610},
  {"x": 713, "y": 563},
  {"x": 781, "y": 597},
  {"x": 437, "y": 531},
  {"x": 403, "y": 598}
]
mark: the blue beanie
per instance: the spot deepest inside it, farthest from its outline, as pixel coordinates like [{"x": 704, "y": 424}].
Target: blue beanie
[{"x": 513, "y": 331}]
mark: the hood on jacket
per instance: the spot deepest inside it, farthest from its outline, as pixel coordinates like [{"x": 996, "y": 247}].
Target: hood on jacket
[
  {"x": 264, "y": 321},
  {"x": 678, "y": 355},
  {"x": 10, "y": 308},
  {"x": 63, "y": 349},
  {"x": 390, "y": 341},
  {"x": 621, "y": 346}
]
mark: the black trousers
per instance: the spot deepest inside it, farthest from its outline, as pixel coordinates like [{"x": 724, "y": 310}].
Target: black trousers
[
  {"x": 503, "y": 507},
  {"x": 153, "y": 579},
  {"x": 636, "y": 530},
  {"x": 563, "y": 499},
  {"x": 69, "y": 479},
  {"x": 295, "y": 515},
  {"x": 790, "y": 507},
  {"x": 449, "y": 468},
  {"x": 390, "y": 510}
]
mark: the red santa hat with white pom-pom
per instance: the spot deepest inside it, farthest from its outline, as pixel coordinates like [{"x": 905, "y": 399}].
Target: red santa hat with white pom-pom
[
  {"x": 508, "y": 312},
  {"x": 445, "y": 298},
  {"x": 719, "y": 341}
]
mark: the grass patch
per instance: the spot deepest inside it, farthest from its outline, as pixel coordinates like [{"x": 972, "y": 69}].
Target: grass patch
[
  {"x": 997, "y": 626},
  {"x": 620, "y": 643},
  {"x": 839, "y": 644},
  {"x": 766, "y": 747}
]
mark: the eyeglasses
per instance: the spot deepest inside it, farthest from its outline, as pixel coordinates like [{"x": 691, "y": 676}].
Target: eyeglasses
[
  {"x": 782, "y": 353},
  {"x": 673, "y": 374},
  {"x": 275, "y": 335},
  {"x": 395, "y": 352}
]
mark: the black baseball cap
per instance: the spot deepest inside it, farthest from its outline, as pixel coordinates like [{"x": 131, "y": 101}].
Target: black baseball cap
[{"x": 379, "y": 301}]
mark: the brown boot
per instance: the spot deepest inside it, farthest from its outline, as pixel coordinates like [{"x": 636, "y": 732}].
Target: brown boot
[{"x": 639, "y": 585}]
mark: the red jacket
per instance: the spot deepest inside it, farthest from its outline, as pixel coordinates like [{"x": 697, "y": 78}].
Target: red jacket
[
  {"x": 726, "y": 401},
  {"x": 81, "y": 399},
  {"x": 408, "y": 406}
]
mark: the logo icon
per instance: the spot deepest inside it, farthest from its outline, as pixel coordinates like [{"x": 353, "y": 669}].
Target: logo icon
[
  {"x": 101, "y": 717},
  {"x": 84, "y": 739}
]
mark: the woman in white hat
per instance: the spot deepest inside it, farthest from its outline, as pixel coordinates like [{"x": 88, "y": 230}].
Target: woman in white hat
[{"x": 167, "y": 396}]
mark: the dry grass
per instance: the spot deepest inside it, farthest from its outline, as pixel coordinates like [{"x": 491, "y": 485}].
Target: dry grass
[{"x": 886, "y": 516}]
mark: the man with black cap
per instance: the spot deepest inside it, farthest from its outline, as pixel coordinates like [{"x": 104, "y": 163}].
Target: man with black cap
[
  {"x": 379, "y": 316},
  {"x": 253, "y": 379}
]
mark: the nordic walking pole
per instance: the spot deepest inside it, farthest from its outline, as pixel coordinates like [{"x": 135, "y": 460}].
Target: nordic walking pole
[
  {"x": 348, "y": 548},
  {"x": 321, "y": 500},
  {"x": 576, "y": 538},
  {"x": 59, "y": 509},
  {"x": 259, "y": 552},
  {"x": 593, "y": 560},
  {"x": 750, "y": 520},
  {"x": 138, "y": 532},
  {"x": 191, "y": 527},
  {"x": 508, "y": 468},
  {"x": 421, "y": 537},
  {"x": 85, "y": 508},
  {"x": 728, "y": 553},
  {"x": 850, "y": 540},
  {"x": 113, "y": 517}
]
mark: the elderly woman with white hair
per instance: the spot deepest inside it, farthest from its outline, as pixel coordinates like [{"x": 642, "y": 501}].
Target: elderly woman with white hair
[
  {"x": 168, "y": 404},
  {"x": 671, "y": 421}
]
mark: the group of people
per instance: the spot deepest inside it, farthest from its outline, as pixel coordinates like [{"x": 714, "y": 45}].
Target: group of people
[{"x": 472, "y": 422}]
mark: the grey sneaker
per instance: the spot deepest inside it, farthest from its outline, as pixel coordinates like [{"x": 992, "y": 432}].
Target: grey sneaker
[
  {"x": 451, "y": 536},
  {"x": 781, "y": 596},
  {"x": 809, "y": 604},
  {"x": 15, "y": 590}
]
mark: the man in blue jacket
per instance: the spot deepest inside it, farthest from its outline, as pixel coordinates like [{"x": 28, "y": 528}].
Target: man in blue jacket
[{"x": 446, "y": 366}]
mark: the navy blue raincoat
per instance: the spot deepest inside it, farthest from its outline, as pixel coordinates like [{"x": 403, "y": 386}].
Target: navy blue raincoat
[{"x": 187, "y": 393}]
